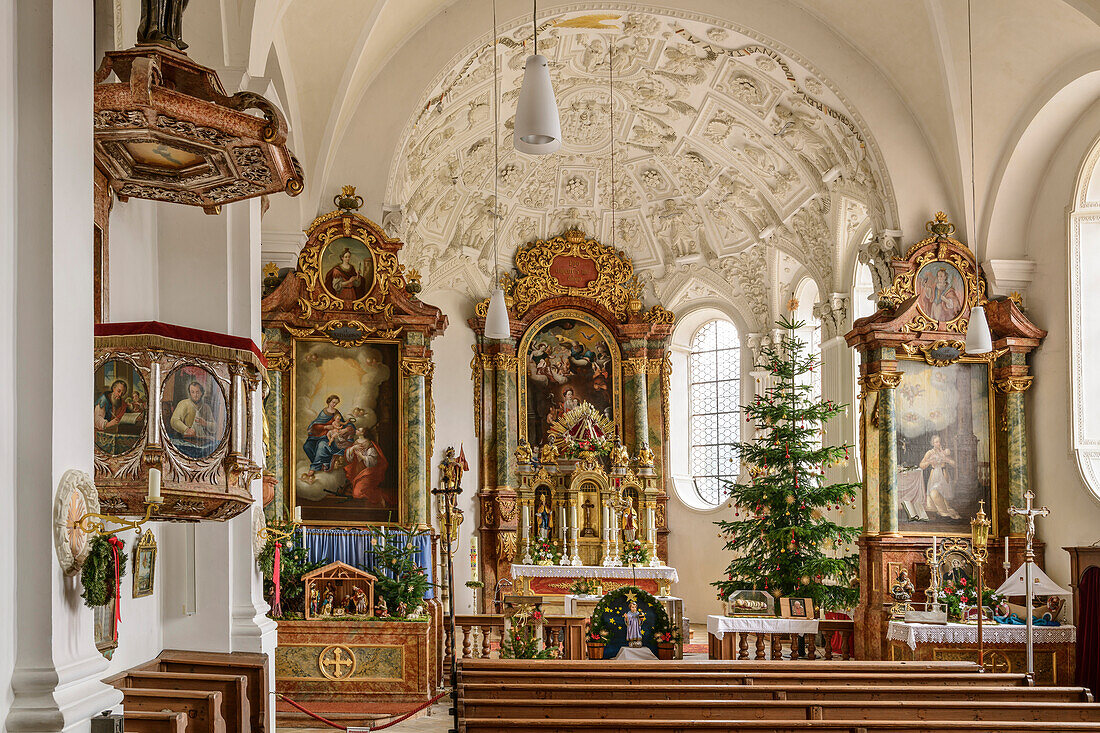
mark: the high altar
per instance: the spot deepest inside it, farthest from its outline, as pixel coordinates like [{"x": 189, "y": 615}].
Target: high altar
[
  {"x": 942, "y": 432},
  {"x": 572, "y": 416}
]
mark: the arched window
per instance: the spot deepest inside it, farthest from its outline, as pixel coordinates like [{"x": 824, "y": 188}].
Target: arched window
[
  {"x": 1084, "y": 293},
  {"x": 714, "y": 385}
]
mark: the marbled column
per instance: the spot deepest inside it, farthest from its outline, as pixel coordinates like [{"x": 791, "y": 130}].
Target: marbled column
[
  {"x": 504, "y": 419},
  {"x": 1016, "y": 445},
  {"x": 888, "y": 455},
  {"x": 641, "y": 403},
  {"x": 416, "y": 482}
]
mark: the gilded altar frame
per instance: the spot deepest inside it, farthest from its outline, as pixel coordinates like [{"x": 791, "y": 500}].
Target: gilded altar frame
[
  {"x": 922, "y": 317},
  {"x": 301, "y": 309},
  {"x": 542, "y": 322}
]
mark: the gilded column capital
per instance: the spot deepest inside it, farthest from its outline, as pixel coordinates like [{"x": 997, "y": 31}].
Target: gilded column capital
[
  {"x": 635, "y": 365},
  {"x": 1008, "y": 385},
  {"x": 417, "y": 366},
  {"x": 880, "y": 380},
  {"x": 507, "y": 362},
  {"x": 654, "y": 366}
]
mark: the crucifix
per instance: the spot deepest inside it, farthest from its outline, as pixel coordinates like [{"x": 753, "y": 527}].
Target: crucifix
[{"x": 1029, "y": 514}]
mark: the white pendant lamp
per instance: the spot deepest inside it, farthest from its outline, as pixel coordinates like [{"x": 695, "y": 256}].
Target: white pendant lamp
[
  {"x": 538, "y": 127},
  {"x": 497, "y": 325},
  {"x": 978, "y": 338}
]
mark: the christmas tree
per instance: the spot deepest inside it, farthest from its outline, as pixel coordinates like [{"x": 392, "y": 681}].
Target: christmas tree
[{"x": 781, "y": 540}]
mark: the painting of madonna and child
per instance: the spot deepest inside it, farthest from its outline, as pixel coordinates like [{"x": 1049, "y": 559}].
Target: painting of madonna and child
[
  {"x": 346, "y": 433},
  {"x": 943, "y": 446},
  {"x": 568, "y": 362}
]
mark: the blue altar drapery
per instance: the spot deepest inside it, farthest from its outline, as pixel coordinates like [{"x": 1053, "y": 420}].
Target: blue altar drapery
[{"x": 353, "y": 546}]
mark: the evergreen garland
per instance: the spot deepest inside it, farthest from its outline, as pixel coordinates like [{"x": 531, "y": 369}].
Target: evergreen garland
[
  {"x": 779, "y": 534},
  {"x": 98, "y": 573},
  {"x": 606, "y": 623},
  {"x": 293, "y": 564},
  {"x": 400, "y": 577}
]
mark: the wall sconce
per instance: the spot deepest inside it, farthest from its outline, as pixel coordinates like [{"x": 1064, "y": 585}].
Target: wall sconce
[{"x": 280, "y": 535}]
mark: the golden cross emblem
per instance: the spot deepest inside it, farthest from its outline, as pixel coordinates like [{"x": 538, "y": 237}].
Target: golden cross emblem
[
  {"x": 333, "y": 661},
  {"x": 997, "y": 662}
]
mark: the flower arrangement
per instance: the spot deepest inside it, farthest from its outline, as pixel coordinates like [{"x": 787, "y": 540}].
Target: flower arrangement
[
  {"x": 583, "y": 587},
  {"x": 545, "y": 552},
  {"x": 635, "y": 553},
  {"x": 962, "y": 593},
  {"x": 574, "y": 448}
]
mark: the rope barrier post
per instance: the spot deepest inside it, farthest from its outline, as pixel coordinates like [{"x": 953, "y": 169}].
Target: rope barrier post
[{"x": 448, "y": 491}]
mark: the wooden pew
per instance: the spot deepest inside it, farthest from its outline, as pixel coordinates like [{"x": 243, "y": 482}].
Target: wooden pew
[
  {"x": 536, "y": 691},
  {"x": 739, "y": 710},
  {"x": 141, "y": 721},
  {"x": 251, "y": 666},
  {"x": 203, "y": 708},
  {"x": 610, "y": 674},
  {"x": 767, "y": 726},
  {"x": 234, "y": 690}
]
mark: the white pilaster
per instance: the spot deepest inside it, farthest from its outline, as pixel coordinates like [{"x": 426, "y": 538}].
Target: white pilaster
[{"x": 55, "y": 681}]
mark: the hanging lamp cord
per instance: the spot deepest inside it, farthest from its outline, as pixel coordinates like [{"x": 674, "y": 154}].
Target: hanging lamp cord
[
  {"x": 611, "y": 103},
  {"x": 496, "y": 154},
  {"x": 970, "y": 79}
]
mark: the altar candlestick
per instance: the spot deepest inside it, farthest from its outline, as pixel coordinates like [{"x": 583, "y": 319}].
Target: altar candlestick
[
  {"x": 935, "y": 559},
  {"x": 1006, "y": 551},
  {"x": 297, "y": 515},
  {"x": 606, "y": 521}
]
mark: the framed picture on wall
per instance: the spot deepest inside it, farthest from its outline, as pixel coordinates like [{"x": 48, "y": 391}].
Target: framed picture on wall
[
  {"x": 145, "y": 561},
  {"x": 946, "y": 455}
]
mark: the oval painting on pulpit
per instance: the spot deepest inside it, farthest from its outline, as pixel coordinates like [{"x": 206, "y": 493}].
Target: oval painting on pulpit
[
  {"x": 121, "y": 403},
  {"x": 193, "y": 411}
]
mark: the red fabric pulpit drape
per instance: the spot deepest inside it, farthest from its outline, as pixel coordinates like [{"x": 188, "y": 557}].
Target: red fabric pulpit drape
[{"x": 1088, "y": 631}]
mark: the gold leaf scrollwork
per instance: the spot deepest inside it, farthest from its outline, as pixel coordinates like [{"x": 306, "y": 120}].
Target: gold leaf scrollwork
[
  {"x": 417, "y": 366},
  {"x": 613, "y": 286},
  {"x": 488, "y": 511},
  {"x": 387, "y": 270},
  {"x": 635, "y": 365},
  {"x": 1008, "y": 385},
  {"x": 506, "y": 546},
  {"x": 507, "y": 510},
  {"x": 881, "y": 380},
  {"x": 279, "y": 362},
  {"x": 657, "y": 314},
  {"x": 506, "y": 362},
  {"x": 476, "y": 376},
  {"x": 933, "y": 352}
]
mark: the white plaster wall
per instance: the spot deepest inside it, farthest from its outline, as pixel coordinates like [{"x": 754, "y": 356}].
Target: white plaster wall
[
  {"x": 453, "y": 392},
  {"x": 1075, "y": 512},
  {"x": 132, "y": 262}
]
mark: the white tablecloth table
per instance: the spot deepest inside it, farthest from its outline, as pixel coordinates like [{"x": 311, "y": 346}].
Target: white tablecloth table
[
  {"x": 914, "y": 634},
  {"x": 718, "y": 626}
]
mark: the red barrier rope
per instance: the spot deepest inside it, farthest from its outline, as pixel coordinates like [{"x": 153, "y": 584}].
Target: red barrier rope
[{"x": 337, "y": 726}]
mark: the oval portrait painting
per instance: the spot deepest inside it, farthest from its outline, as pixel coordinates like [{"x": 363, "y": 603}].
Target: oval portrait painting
[
  {"x": 940, "y": 291},
  {"x": 347, "y": 269},
  {"x": 194, "y": 412},
  {"x": 121, "y": 403}
]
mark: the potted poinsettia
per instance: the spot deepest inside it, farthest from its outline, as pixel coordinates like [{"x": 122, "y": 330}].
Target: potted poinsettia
[
  {"x": 596, "y": 640},
  {"x": 667, "y": 638}
]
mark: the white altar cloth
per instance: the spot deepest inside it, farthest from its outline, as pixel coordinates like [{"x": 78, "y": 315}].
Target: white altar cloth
[
  {"x": 913, "y": 634},
  {"x": 594, "y": 571},
  {"x": 718, "y": 626}
]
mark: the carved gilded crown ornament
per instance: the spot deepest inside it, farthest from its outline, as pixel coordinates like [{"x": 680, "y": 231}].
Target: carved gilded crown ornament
[
  {"x": 572, "y": 264},
  {"x": 167, "y": 131}
]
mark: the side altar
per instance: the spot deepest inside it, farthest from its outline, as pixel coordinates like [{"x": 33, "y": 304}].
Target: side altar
[
  {"x": 943, "y": 433},
  {"x": 571, "y": 413}
]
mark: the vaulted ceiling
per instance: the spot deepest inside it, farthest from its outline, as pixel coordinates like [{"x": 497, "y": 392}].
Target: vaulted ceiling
[
  {"x": 723, "y": 143},
  {"x": 717, "y": 155}
]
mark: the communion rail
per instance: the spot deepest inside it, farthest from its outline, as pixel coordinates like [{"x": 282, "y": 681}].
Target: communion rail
[{"x": 481, "y": 636}]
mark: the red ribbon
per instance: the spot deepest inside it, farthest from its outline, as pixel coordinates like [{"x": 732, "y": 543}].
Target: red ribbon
[
  {"x": 277, "y": 608},
  {"x": 116, "y": 543}
]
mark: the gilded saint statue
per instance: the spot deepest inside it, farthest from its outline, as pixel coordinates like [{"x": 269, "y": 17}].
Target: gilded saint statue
[
  {"x": 619, "y": 457},
  {"x": 451, "y": 469},
  {"x": 645, "y": 456},
  {"x": 524, "y": 455},
  {"x": 548, "y": 452},
  {"x": 629, "y": 519}
]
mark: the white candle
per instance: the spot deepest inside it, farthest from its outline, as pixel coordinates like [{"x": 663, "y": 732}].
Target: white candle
[
  {"x": 297, "y": 515},
  {"x": 1006, "y": 551},
  {"x": 935, "y": 560},
  {"x": 606, "y": 521},
  {"x": 154, "y": 486}
]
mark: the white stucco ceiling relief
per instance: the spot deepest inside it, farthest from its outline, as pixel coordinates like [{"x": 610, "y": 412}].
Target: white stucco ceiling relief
[{"x": 726, "y": 146}]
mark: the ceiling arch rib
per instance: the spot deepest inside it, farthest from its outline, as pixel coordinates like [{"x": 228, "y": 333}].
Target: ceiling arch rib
[{"x": 723, "y": 141}]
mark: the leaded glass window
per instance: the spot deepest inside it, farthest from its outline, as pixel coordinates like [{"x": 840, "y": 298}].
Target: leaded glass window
[{"x": 714, "y": 377}]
